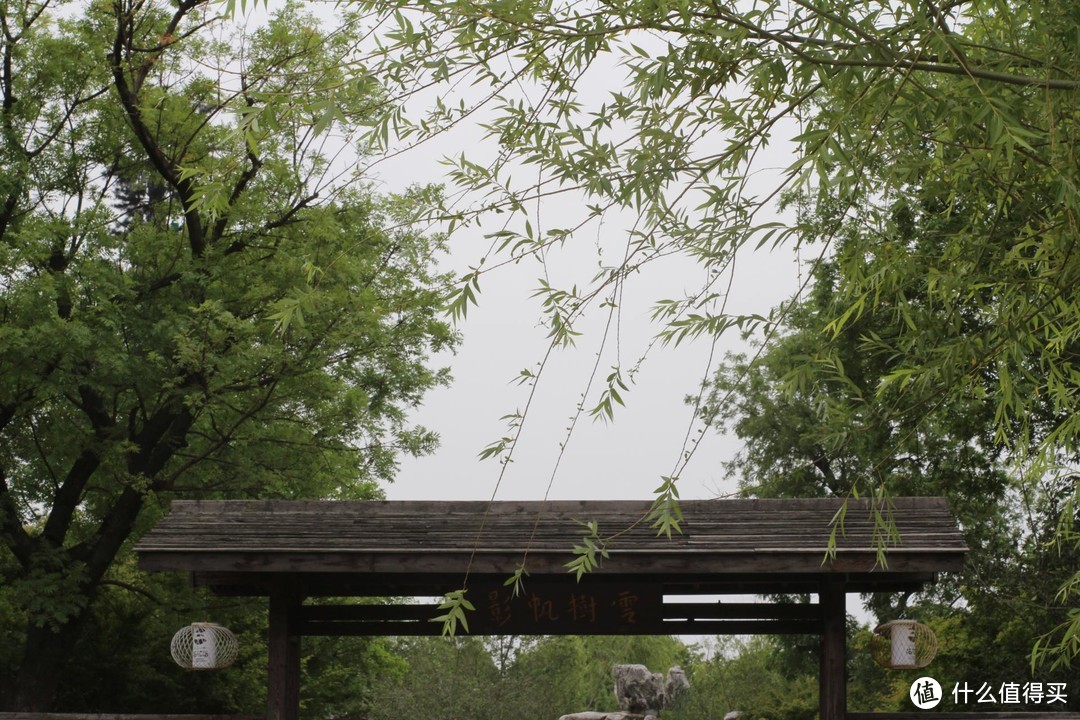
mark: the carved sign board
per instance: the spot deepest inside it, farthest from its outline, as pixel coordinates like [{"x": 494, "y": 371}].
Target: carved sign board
[{"x": 562, "y": 608}]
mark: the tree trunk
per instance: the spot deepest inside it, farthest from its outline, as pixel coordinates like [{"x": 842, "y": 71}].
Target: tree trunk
[
  {"x": 49, "y": 648},
  {"x": 45, "y": 660}
]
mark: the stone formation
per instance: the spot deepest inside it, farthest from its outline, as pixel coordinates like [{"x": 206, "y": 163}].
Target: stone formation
[{"x": 641, "y": 694}]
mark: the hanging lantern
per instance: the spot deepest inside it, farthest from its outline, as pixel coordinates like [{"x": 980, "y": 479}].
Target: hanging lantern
[
  {"x": 903, "y": 645},
  {"x": 204, "y": 646}
]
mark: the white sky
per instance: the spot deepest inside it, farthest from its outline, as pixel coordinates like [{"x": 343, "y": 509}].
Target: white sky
[
  {"x": 626, "y": 458},
  {"x": 623, "y": 459}
]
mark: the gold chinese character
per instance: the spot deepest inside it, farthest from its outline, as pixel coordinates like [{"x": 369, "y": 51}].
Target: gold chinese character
[
  {"x": 499, "y": 608},
  {"x": 582, "y": 608},
  {"x": 542, "y": 609},
  {"x": 626, "y": 602}
]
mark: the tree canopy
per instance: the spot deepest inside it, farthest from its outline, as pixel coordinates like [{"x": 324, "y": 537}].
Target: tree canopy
[
  {"x": 187, "y": 309},
  {"x": 813, "y": 424},
  {"x": 944, "y": 132}
]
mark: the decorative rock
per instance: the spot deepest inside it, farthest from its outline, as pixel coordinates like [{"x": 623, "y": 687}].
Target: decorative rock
[
  {"x": 638, "y": 690},
  {"x": 677, "y": 683},
  {"x": 641, "y": 694},
  {"x": 733, "y": 715},
  {"x": 602, "y": 716}
]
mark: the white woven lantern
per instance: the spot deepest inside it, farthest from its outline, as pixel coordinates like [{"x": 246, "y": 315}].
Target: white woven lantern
[
  {"x": 204, "y": 646},
  {"x": 903, "y": 645}
]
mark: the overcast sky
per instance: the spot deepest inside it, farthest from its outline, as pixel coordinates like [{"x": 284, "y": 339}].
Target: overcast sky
[
  {"x": 626, "y": 458},
  {"x": 622, "y": 459}
]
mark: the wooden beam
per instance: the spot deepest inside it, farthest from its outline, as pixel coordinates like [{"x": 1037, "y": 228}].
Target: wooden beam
[
  {"x": 741, "y": 627},
  {"x": 970, "y": 715},
  {"x": 425, "y": 628},
  {"x": 283, "y": 676},
  {"x": 833, "y": 672},
  {"x": 667, "y": 562},
  {"x": 435, "y": 585},
  {"x": 668, "y": 611},
  {"x": 568, "y": 609},
  {"x": 119, "y": 716}
]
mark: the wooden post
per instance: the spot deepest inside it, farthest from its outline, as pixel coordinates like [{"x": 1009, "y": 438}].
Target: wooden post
[
  {"x": 833, "y": 673},
  {"x": 283, "y": 677}
]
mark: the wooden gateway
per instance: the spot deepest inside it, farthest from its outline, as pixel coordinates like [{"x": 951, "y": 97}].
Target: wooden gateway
[{"x": 291, "y": 551}]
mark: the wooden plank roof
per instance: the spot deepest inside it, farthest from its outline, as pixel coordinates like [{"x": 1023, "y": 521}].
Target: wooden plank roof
[{"x": 746, "y": 539}]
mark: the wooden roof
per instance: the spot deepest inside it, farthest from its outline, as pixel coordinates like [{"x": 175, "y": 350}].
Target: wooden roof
[
  {"x": 388, "y": 549},
  {"x": 719, "y": 537}
]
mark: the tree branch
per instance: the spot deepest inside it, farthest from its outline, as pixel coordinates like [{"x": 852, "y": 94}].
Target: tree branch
[
  {"x": 61, "y": 123},
  {"x": 67, "y": 498},
  {"x": 182, "y": 10},
  {"x": 820, "y": 459},
  {"x": 99, "y": 552},
  {"x": 8, "y": 211},
  {"x": 184, "y": 187},
  {"x": 218, "y": 443},
  {"x": 161, "y": 437},
  {"x": 134, "y": 589},
  {"x": 254, "y": 164},
  {"x": 7, "y": 76},
  {"x": 288, "y": 216},
  {"x": 11, "y": 525},
  {"x": 7, "y": 81},
  {"x": 794, "y": 44}
]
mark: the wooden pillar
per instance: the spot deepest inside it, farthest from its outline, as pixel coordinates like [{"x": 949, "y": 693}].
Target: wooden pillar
[
  {"x": 283, "y": 678},
  {"x": 833, "y": 672}
]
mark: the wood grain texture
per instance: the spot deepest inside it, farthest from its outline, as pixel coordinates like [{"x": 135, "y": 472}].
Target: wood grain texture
[
  {"x": 832, "y": 676},
  {"x": 426, "y": 549},
  {"x": 432, "y": 538}
]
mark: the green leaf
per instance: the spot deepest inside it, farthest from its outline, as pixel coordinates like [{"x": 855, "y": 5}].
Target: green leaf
[
  {"x": 517, "y": 581},
  {"x": 590, "y": 554},
  {"x": 456, "y": 606},
  {"x": 665, "y": 516}
]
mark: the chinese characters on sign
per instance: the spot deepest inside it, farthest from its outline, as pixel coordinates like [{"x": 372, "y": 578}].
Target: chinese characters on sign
[
  {"x": 203, "y": 652},
  {"x": 544, "y": 608}
]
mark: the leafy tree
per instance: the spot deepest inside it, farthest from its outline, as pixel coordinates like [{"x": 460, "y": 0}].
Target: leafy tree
[
  {"x": 443, "y": 678},
  {"x": 750, "y": 676},
  {"x": 555, "y": 676},
  {"x": 964, "y": 111},
  {"x": 191, "y": 306},
  {"x": 126, "y": 640},
  {"x": 527, "y": 678},
  {"x": 815, "y": 422},
  {"x": 127, "y": 636}
]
